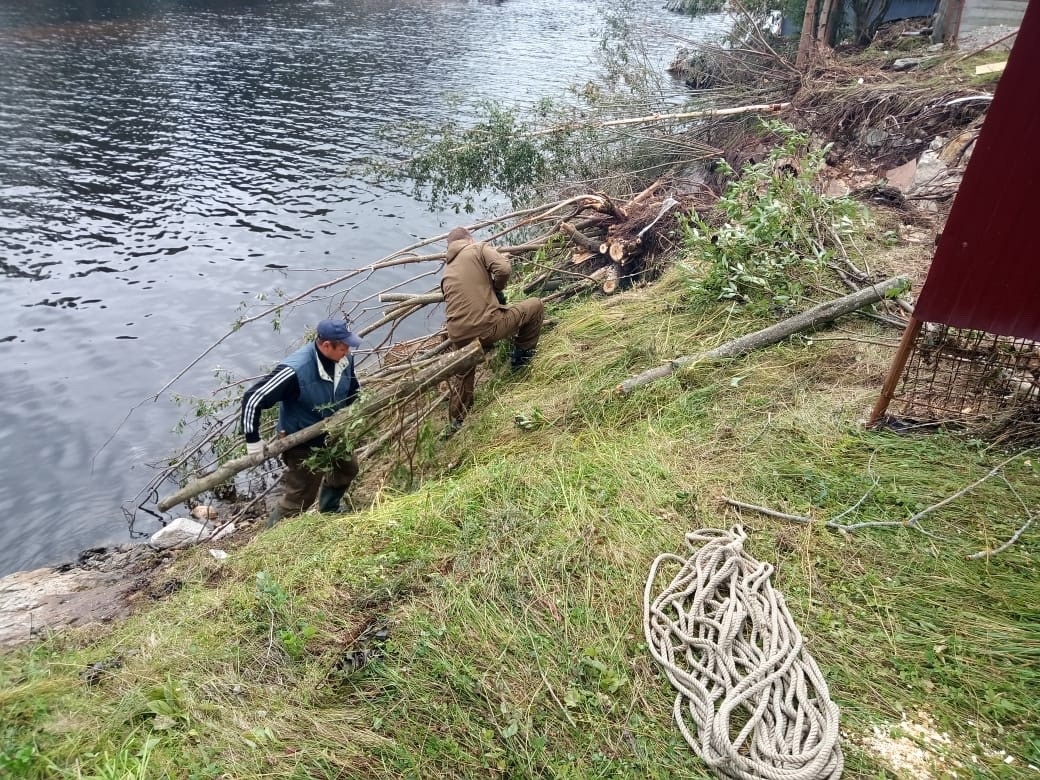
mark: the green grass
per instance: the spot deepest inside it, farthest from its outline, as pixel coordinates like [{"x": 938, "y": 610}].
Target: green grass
[{"x": 510, "y": 585}]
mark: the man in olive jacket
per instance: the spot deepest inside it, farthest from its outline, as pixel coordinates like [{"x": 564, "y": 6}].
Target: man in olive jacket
[{"x": 475, "y": 274}]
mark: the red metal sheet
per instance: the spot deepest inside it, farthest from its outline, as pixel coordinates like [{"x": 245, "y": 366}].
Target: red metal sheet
[{"x": 986, "y": 270}]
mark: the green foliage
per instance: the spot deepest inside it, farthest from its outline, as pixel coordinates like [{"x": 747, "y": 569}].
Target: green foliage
[
  {"x": 212, "y": 420},
  {"x": 292, "y": 632},
  {"x": 626, "y": 69},
  {"x": 778, "y": 232},
  {"x": 164, "y": 704},
  {"x": 698, "y": 7},
  {"x": 338, "y": 443},
  {"x": 530, "y": 421},
  {"x": 130, "y": 762},
  {"x": 17, "y": 756},
  {"x": 493, "y": 154},
  {"x": 524, "y": 154}
]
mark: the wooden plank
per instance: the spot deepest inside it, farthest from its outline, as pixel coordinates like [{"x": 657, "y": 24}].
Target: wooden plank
[{"x": 993, "y": 67}]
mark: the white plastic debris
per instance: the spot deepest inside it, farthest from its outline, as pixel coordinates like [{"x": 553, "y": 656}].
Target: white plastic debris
[{"x": 180, "y": 532}]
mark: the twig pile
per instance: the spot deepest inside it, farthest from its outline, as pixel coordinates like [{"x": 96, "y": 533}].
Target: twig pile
[{"x": 887, "y": 124}]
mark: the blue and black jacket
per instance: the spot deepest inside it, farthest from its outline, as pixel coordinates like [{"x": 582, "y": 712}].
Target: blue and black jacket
[{"x": 310, "y": 388}]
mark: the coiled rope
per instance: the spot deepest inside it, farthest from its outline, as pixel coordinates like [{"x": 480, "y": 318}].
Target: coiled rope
[{"x": 725, "y": 639}]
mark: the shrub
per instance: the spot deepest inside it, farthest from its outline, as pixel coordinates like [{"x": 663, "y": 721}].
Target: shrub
[{"x": 777, "y": 231}]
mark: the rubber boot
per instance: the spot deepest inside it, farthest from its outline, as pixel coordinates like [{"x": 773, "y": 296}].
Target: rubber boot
[
  {"x": 329, "y": 498},
  {"x": 520, "y": 358},
  {"x": 276, "y": 514},
  {"x": 451, "y": 429}
]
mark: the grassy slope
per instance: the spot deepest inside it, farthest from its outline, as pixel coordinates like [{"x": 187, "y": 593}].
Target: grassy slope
[{"x": 511, "y": 585}]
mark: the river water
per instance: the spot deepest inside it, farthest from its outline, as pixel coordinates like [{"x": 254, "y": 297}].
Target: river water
[{"x": 167, "y": 164}]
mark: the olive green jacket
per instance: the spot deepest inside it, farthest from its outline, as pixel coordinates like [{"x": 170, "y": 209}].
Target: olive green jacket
[{"x": 472, "y": 274}]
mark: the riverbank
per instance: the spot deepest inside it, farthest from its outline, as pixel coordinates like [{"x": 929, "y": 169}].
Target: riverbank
[
  {"x": 97, "y": 588},
  {"x": 489, "y": 622}
]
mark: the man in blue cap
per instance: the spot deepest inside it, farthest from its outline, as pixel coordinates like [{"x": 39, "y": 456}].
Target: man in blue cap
[{"x": 311, "y": 384}]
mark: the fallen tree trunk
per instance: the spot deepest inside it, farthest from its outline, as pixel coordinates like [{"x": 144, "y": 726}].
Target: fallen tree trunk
[
  {"x": 807, "y": 320},
  {"x": 450, "y": 365}
]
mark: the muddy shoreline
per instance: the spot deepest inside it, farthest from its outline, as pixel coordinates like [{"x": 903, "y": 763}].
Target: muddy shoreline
[
  {"x": 103, "y": 585},
  {"x": 98, "y": 587}
]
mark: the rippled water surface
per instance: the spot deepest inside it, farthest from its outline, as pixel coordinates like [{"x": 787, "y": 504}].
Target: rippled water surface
[{"x": 163, "y": 162}]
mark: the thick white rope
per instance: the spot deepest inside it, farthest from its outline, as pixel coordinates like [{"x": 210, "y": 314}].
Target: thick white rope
[{"x": 758, "y": 703}]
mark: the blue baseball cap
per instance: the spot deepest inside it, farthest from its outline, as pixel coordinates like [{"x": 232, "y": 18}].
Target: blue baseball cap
[{"x": 336, "y": 330}]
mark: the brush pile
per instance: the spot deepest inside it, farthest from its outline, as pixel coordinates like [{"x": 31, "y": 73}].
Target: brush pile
[{"x": 887, "y": 124}]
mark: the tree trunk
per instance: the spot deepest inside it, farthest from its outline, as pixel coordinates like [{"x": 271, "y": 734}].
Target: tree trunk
[
  {"x": 828, "y": 24},
  {"x": 807, "y": 40},
  {"x": 807, "y": 320},
  {"x": 579, "y": 239}
]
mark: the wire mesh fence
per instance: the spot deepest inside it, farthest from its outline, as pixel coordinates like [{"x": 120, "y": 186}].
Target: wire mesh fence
[{"x": 973, "y": 379}]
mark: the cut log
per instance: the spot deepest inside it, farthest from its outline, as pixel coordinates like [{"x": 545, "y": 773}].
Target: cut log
[
  {"x": 608, "y": 206},
  {"x": 409, "y": 303},
  {"x": 632, "y": 248},
  {"x": 455, "y": 363},
  {"x": 818, "y": 315},
  {"x": 620, "y": 250},
  {"x": 398, "y": 312},
  {"x": 415, "y": 298},
  {"x": 579, "y": 239},
  {"x": 610, "y": 279},
  {"x": 764, "y": 108},
  {"x": 640, "y": 197},
  {"x": 580, "y": 286}
]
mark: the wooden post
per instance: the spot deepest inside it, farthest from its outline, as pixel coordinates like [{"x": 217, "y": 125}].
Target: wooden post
[
  {"x": 895, "y": 371},
  {"x": 947, "y": 21}
]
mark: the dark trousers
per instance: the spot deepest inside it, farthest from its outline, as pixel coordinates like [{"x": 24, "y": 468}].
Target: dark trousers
[
  {"x": 521, "y": 322},
  {"x": 300, "y": 485}
]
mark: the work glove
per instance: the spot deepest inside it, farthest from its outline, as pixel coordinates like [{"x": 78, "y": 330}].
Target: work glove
[
  {"x": 501, "y": 297},
  {"x": 255, "y": 447}
]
